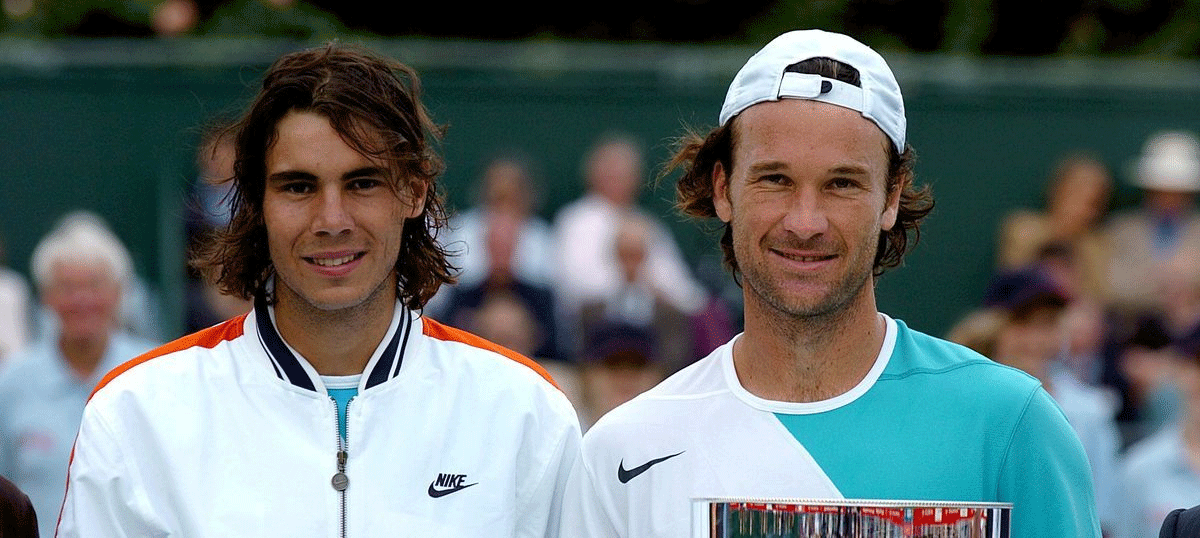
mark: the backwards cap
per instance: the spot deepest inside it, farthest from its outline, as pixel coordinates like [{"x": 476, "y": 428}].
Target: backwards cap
[{"x": 765, "y": 78}]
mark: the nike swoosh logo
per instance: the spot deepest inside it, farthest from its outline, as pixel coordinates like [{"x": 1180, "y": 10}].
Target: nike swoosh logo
[
  {"x": 435, "y": 493},
  {"x": 625, "y": 475}
]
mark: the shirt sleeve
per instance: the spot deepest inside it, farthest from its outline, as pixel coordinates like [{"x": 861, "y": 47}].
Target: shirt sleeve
[
  {"x": 104, "y": 495},
  {"x": 1046, "y": 476},
  {"x": 584, "y": 515}
]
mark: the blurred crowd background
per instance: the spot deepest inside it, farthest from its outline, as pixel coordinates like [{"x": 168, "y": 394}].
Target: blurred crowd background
[{"x": 1059, "y": 139}]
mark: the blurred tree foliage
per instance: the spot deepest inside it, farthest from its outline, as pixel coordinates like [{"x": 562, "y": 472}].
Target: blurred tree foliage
[{"x": 1155, "y": 28}]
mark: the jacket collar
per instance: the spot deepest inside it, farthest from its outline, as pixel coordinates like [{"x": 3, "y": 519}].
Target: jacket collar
[{"x": 293, "y": 368}]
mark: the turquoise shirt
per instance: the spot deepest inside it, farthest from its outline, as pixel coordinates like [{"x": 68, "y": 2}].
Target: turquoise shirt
[
  {"x": 341, "y": 389},
  {"x": 916, "y": 434}
]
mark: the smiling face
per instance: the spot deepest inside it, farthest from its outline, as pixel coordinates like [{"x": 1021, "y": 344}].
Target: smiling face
[
  {"x": 806, "y": 200},
  {"x": 334, "y": 222}
]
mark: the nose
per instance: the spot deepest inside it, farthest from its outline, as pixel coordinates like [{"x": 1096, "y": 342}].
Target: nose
[
  {"x": 806, "y": 215},
  {"x": 332, "y": 215}
]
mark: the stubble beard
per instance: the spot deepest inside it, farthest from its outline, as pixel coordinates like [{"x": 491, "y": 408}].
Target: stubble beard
[
  {"x": 807, "y": 311},
  {"x": 312, "y": 310}
]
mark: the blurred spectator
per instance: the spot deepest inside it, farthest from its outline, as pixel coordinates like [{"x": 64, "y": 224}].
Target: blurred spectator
[
  {"x": 501, "y": 242},
  {"x": 508, "y": 187},
  {"x": 1031, "y": 337},
  {"x": 1142, "y": 354},
  {"x": 138, "y": 313},
  {"x": 977, "y": 330},
  {"x": 171, "y": 18},
  {"x": 1179, "y": 282},
  {"x": 1162, "y": 472},
  {"x": 1163, "y": 230},
  {"x": 208, "y": 211},
  {"x": 14, "y": 310},
  {"x": 1076, "y": 200},
  {"x": 81, "y": 269},
  {"x": 719, "y": 320},
  {"x": 294, "y": 19},
  {"x": 618, "y": 363},
  {"x": 1085, "y": 324},
  {"x": 639, "y": 302},
  {"x": 585, "y": 231}
]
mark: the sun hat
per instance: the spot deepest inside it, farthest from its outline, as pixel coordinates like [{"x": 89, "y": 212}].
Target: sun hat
[
  {"x": 1170, "y": 161},
  {"x": 766, "y": 77}
]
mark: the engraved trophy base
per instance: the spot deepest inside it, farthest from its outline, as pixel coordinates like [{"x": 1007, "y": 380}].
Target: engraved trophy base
[{"x": 847, "y": 518}]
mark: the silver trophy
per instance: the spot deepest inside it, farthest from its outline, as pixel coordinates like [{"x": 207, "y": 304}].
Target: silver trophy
[{"x": 847, "y": 518}]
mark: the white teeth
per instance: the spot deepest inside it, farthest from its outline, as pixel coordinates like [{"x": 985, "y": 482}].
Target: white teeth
[
  {"x": 806, "y": 258},
  {"x": 331, "y": 262}
]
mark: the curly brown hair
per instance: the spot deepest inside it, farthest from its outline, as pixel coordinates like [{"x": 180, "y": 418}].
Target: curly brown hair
[
  {"x": 374, "y": 104},
  {"x": 698, "y": 154}
]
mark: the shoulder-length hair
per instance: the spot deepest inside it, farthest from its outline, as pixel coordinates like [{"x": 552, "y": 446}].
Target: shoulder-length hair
[{"x": 374, "y": 105}]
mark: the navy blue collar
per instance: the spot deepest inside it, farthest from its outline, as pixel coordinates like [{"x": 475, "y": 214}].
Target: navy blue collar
[{"x": 288, "y": 367}]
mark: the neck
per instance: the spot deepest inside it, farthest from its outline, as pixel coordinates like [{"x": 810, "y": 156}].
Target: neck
[
  {"x": 339, "y": 342},
  {"x": 790, "y": 358},
  {"x": 83, "y": 355}
]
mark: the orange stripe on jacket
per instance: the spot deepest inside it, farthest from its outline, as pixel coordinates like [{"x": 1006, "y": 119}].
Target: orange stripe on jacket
[
  {"x": 208, "y": 338},
  {"x": 434, "y": 329}
]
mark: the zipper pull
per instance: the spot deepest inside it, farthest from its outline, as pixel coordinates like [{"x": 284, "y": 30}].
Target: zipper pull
[{"x": 340, "y": 480}]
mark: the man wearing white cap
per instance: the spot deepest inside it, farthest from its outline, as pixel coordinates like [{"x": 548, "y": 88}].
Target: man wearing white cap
[
  {"x": 822, "y": 396},
  {"x": 1164, "y": 231}
]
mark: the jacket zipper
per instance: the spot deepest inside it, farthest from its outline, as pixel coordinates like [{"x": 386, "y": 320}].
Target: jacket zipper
[{"x": 340, "y": 481}]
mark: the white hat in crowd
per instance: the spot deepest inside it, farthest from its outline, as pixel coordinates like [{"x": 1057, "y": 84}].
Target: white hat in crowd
[
  {"x": 766, "y": 77},
  {"x": 1170, "y": 161}
]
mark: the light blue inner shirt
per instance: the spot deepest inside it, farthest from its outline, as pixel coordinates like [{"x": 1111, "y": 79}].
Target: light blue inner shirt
[{"x": 342, "y": 389}]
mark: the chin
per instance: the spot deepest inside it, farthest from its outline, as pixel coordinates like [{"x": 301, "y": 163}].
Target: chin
[{"x": 331, "y": 304}]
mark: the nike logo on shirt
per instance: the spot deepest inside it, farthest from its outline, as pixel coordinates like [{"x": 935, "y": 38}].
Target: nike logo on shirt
[
  {"x": 451, "y": 482},
  {"x": 625, "y": 475}
]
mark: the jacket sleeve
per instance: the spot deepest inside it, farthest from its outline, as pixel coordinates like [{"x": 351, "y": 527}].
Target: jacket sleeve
[
  {"x": 1046, "y": 476},
  {"x": 104, "y": 495},
  {"x": 542, "y": 510}
]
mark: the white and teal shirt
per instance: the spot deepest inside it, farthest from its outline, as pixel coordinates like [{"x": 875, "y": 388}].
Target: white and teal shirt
[{"x": 931, "y": 421}]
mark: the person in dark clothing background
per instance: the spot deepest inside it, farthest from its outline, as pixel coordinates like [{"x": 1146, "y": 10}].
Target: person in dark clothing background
[{"x": 17, "y": 519}]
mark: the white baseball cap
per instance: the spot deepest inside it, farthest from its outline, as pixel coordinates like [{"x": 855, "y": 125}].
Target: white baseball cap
[
  {"x": 765, "y": 78},
  {"x": 1170, "y": 161}
]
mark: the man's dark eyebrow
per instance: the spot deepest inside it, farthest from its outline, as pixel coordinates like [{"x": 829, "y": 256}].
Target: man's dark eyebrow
[
  {"x": 775, "y": 166},
  {"x": 291, "y": 175},
  {"x": 852, "y": 169},
  {"x": 769, "y": 166},
  {"x": 366, "y": 171}
]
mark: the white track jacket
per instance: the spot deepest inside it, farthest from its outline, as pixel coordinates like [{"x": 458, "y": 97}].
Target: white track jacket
[{"x": 229, "y": 432}]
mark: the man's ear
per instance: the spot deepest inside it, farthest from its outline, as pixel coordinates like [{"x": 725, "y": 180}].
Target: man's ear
[
  {"x": 413, "y": 195},
  {"x": 721, "y": 199},
  {"x": 891, "y": 210}
]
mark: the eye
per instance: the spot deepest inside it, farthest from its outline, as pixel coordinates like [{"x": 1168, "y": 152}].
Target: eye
[
  {"x": 843, "y": 183},
  {"x": 364, "y": 183},
  {"x": 296, "y": 187},
  {"x": 777, "y": 179}
]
